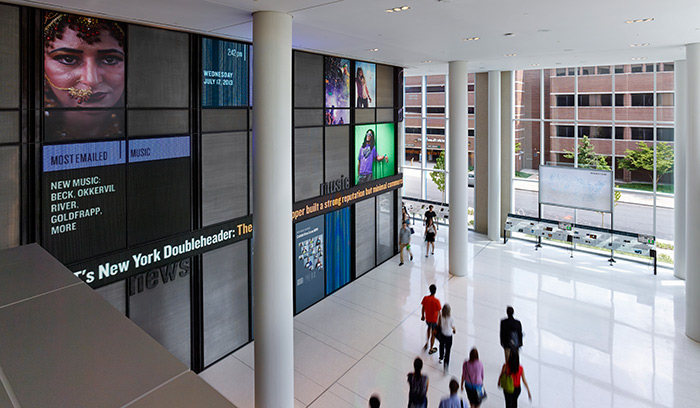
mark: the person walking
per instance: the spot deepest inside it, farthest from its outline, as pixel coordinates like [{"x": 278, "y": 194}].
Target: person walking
[
  {"x": 430, "y": 309},
  {"x": 473, "y": 379},
  {"x": 430, "y": 232},
  {"x": 418, "y": 386},
  {"x": 513, "y": 371},
  {"x": 454, "y": 400},
  {"x": 511, "y": 333},
  {"x": 446, "y": 326},
  {"x": 404, "y": 241}
]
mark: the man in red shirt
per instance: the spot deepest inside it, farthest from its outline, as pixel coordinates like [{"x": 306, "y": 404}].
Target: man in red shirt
[{"x": 429, "y": 313}]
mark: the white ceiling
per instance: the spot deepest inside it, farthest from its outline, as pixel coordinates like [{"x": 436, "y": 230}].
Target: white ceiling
[{"x": 550, "y": 33}]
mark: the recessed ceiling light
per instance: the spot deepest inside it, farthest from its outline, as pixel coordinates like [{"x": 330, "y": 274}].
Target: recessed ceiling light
[
  {"x": 471, "y": 39},
  {"x": 544, "y": 30},
  {"x": 568, "y": 49},
  {"x": 509, "y": 35},
  {"x": 534, "y": 65},
  {"x": 639, "y": 45},
  {"x": 373, "y": 49},
  {"x": 427, "y": 61},
  {"x": 397, "y": 9},
  {"x": 557, "y": 63},
  {"x": 640, "y": 20},
  {"x": 510, "y": 55},
  {"x": 638, "y": 58}
]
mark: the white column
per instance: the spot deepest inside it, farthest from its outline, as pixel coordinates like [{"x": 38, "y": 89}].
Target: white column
[
  {"x": 272, "y": 195},
  {"x": 458, "y": 168},
  {"x": 494, "y": 179},
  {"x": 692, "y": 276},
  {"x": 679, "y": 170}
]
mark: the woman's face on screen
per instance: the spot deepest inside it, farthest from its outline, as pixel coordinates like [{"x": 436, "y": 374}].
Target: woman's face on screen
[{"x": 70, "y": 62}]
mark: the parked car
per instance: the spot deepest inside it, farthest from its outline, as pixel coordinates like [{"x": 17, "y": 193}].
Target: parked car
[{"x": 470, "y": 179}]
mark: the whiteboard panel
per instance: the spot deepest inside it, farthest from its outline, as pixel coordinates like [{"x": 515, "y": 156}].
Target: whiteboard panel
[{"x": 588, "y": 189}]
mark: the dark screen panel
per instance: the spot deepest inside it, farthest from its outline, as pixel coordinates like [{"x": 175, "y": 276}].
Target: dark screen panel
[
  {"x": 158, "y": 68},
  {"x": 224, "y": 73},
  {"x": 115, "y": 294},
  {"x": 385, "y": 226},
  {"x": 337, "y": 152},
  {"x": 158, "y": 185},
  {"x": 224, "y": 120},
  {"x": 224, "y": 177},
  {"x": 158, "y": 122},
  {"x": 385, "y": 115},
  {"x": 363, "y": 116},
  {"x": 9, "y": 198},
  {"x": 308, "y": 80},
  {"x": 385, "y": 86},
  {"x": 9, "y": 56},
  {"x": 9, "y": 131},
  {"x": 364, "y": 236},
  {"x": 308, "y": 162},
  {"x": 308, "y": 117},
  {"x": 338, "y": 252},
  {"x": 225, "y": 279},
  {"x": 159, "y": 303}
]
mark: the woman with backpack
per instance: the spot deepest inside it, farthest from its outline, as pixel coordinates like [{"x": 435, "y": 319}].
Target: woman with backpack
[
  {"x": 509, "y": 379},
  {"x": 418, "y": 386}
]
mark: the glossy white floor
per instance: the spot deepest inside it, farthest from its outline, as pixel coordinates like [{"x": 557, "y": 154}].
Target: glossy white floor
[{"x": 595, "y": 335}]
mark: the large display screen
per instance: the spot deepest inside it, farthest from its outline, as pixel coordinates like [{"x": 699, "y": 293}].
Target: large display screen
[
  {"x": 374, "y": 152},
  {"x": 84, "y": 71},
  {"x": 337, "y": 91},
  {"x": 224, "y": 73},
  {"x": 84, "y": 199},
  {"x": 309, "y": 262},
  {"x": 338, "y": 227},
  {"x": 365, "y": 84}
]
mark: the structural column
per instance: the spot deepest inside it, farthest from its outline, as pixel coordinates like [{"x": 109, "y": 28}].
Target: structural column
[
  {"x": 458, "y": 168},
  {"x": 679, "y": 170},
  {"x": 272, "y": 216},
  {"x": 692, "y": 277},
  {"x": 494, "y": 175}
]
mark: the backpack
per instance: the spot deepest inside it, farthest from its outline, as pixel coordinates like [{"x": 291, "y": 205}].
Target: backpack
[
  {"x": 505, "y": 381},
  {"x": 514, "y": 340}
]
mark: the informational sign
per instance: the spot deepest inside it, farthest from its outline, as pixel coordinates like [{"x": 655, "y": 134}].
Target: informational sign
[
  {"x": 83, "y": 199},
  {"x": 586, "y": 189},
  {"x": 309, "y": 249},
  {"x": 224, "y": 73}
]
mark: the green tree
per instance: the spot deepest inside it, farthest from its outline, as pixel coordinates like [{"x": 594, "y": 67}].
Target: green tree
[
  {"x": 587, "y": 157},
  {"x": 643, "y": 159},
  {"x": 439, "y": 176}
]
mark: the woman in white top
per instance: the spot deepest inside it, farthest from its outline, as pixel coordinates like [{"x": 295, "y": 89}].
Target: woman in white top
[{"x": 446, "y": 327}]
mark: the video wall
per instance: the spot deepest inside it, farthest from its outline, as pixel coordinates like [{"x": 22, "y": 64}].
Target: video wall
[{"x": 126, "y": 153}]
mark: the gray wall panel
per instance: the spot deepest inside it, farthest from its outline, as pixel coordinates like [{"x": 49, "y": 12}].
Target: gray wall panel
[
  {"x": 385, "y": 86},
  {"x": 164, "y": 310},
  {"x": 9, "y": 131},
  {"x": 308, "y": 80},
  {"x": 158, "y": 68},
  {"x": 364, "y": 236},
  {"x": 337, "y": 152},
  {"x": 9, "y": 196},
  {"x": 385, "y": 226},
  {"x": 224, "y": 177},
  {"x": 225, "y": 300},
  {"x": 158, "y": 122},
  {"x": 115, "y": 294},
  {"x": 224, "y": 120},
  {"x": 364, "y": 116},
  {"x": 308, "y": 117},
  {"x": 308, "y": 162},
  {"x": 385, "y": 115},
  {"x": 9, "y": 56}
]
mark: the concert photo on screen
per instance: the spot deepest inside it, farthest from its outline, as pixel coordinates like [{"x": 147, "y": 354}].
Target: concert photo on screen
[
  {"x": 374, "y": 152},
  {"x": 224, "y": 73},
  {"x": 366, "y": 84},
  {"x": 84, "y": 66},
  {"x": 337, "y": 91}
]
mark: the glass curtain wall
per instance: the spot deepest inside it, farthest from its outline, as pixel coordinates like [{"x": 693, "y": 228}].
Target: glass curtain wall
[
  {"x": 618, "y": 118},
  {"x": 425, "y": 159}
]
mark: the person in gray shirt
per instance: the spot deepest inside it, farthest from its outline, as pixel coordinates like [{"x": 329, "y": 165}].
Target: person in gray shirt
[{"x": 405, "y": 240}]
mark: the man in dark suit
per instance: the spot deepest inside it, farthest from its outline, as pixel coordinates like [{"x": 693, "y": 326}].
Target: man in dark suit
[{"x": 511, "y": 333}]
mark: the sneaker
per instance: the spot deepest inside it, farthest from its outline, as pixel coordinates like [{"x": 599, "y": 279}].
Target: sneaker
[
  {"x": 426, "y": 255},
  {"x": 440, "y": 361},
  {"x": 433, "y": 350},
  {"x": 400, "y": 263},
  {"x": 432, "y": 253},
  {"x": 446, "y": 368}
]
